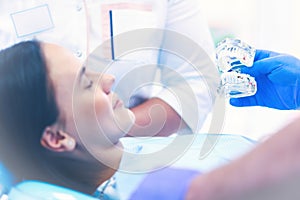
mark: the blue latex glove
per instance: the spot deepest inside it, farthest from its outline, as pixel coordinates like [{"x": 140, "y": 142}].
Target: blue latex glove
[
  {"x": 166, "y": 184},
  {"x": 277, "y": 76}
]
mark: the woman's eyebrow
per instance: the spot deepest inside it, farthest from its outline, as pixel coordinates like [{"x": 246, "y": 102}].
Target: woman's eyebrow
[{"x": 81, "y": 73}]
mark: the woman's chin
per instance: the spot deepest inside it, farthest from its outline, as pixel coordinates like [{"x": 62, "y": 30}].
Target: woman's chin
[
  {"x": 125, "y": 119},
  {"x": 132, "y": 119}
]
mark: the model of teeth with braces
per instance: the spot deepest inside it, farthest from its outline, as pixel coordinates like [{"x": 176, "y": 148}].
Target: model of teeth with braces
[{"x": 231, "y": 54}]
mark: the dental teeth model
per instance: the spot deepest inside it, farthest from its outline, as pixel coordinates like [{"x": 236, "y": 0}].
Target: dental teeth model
[{"x": 231, "y": 54}]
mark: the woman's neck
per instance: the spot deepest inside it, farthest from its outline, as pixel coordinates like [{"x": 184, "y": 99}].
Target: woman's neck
[{"x": 110, "y": 159}]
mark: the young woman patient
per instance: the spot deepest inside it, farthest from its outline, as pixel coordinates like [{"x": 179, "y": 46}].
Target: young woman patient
[{"x": 47, "y": 99}]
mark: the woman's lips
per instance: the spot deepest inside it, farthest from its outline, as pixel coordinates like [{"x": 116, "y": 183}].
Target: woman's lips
[{"x": 116, "y": 101}]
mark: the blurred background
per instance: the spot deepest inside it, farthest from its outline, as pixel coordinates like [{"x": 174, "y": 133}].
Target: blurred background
[{"x": 264, "y": 24}]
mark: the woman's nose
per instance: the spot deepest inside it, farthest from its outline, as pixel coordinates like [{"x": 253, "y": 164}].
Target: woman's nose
[{"x": 107, "y": 82}]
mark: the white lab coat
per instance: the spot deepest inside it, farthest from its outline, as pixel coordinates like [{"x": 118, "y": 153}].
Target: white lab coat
[{"x": 83, "y": 26}]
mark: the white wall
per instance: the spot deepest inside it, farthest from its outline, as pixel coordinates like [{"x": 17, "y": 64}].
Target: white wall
[
  {"x": 272, "y": 24},
  {"x": 264, "y": 24}
]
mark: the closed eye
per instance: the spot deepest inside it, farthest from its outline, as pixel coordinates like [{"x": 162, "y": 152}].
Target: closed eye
[{"x": 89, "y": 85}]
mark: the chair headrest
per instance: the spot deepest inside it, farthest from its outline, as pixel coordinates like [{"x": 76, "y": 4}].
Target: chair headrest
[
  {"x": 6, "y": 179},
  {"x": 32, "y": 190}
]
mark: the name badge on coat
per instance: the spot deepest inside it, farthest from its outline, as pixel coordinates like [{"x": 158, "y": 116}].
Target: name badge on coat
[{"x": 32, "y": 21}]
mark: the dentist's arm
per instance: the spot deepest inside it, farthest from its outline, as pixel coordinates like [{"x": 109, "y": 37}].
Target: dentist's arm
[
  {"x": 272, "y": 162},
  {"x": 155, "y": 118}
]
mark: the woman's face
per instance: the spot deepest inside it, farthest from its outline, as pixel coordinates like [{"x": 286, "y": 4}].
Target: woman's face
[{"x": 93, "y": 114}]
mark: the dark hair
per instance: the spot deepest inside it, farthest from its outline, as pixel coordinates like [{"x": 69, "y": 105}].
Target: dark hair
[{"x": 27, "y": 106}]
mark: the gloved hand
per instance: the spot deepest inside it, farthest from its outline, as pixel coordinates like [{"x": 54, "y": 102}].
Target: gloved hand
[
  {"x": 166, "y": 184},
  {"x": 278, "y": 81}
]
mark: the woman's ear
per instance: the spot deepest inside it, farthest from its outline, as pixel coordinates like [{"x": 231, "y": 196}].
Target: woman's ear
[{"x": 57, "y": 140}]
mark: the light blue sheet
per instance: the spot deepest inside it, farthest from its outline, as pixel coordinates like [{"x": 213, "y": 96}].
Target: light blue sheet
[{"x": 203, "y": 152}]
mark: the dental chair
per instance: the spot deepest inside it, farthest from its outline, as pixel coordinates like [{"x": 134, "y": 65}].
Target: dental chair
[
  {"x": 5, "y": 180},
  {"x": 35, "y": 190}
]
